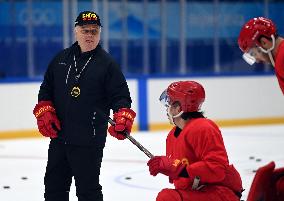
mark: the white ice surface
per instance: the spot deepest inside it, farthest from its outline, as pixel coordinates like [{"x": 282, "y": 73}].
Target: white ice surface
[{"x": 124, "y": 173}]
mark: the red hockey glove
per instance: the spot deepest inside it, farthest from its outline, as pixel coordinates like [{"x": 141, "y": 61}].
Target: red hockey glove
[
  {"x": 47, "y": 121},
  {"x": 165, "y": 165},
  {"x": 123, "y": 119}
]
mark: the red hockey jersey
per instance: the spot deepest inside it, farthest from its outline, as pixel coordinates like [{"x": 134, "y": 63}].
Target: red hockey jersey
[
  {"x": 279, "y": 65},
  {"x": 200, "y": 146}
]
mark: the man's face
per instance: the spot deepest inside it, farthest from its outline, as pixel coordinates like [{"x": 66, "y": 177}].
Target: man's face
[
  {"x": 88, "y": 36},
  {"x": 258, "y": 56},
  {"x": 172, "y": 111}
]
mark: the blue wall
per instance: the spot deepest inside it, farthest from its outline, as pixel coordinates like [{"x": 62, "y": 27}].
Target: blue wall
[{"x": 200, "y": 25}]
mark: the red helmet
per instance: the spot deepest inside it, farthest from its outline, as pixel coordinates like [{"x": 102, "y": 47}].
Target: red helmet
[
  {"x": 189, "y": 94},
  {"x": 252, "y": 30}
]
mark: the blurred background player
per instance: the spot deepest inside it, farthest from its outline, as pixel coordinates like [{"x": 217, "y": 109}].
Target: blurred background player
[
  {"x": 196, "y": 160},
  {"x": 79, "y": 80},
  {"x": 259, "y": 41}
]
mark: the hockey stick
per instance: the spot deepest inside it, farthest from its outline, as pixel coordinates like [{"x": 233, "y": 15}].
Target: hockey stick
[{"x": 129, "y": 137}]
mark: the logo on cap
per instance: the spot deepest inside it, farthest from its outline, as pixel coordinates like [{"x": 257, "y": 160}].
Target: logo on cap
[{"x": 89, "y": 16}]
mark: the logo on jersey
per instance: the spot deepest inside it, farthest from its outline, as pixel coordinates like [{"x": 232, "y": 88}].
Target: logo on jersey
[{"x": 183, "y": 161}]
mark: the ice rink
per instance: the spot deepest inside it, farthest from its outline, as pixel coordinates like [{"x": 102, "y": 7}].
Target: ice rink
[{"x": 124, "y": 173}]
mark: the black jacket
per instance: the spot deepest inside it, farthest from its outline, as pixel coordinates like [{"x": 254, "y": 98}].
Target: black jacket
[{"x": 102, "y": 85}]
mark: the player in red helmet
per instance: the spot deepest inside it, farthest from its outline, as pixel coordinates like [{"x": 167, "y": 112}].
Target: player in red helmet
[
  {"x": 260, "y": 42},
  {"x": 196, "y": 160}
]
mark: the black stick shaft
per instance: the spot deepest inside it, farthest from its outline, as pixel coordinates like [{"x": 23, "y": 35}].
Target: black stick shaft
[{"x": 135, "y": 142}]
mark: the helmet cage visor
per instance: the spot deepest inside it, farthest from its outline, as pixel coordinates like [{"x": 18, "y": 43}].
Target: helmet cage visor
[
  {"x": 251, "y": 56},
  {"x": 164, "y": 98}
]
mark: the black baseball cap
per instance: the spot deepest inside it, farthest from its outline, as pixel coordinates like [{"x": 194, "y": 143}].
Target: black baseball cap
[{"x": 88, "y": 17}]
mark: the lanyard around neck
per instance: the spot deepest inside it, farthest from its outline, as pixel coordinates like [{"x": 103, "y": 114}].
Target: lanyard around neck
[{"x": 77, "y": 76}]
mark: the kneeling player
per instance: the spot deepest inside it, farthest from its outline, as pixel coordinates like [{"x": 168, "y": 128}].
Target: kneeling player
[{"x": 196, "y": 160}]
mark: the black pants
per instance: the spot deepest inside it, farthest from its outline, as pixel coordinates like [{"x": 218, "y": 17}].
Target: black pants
[{"x": 66, "y": 161}]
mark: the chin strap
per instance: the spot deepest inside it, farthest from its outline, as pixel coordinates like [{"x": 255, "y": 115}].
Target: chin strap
[
  {"x": 271, "y": 58},
  {"x": 171, "y": 117},
  {"x": 268, "y": 51}
]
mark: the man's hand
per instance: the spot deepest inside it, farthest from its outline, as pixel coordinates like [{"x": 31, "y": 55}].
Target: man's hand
[
  {"x": 47, "y": 121},
  {"x": 165, "y": 165},
  {"x": 123, "y": 119}
]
